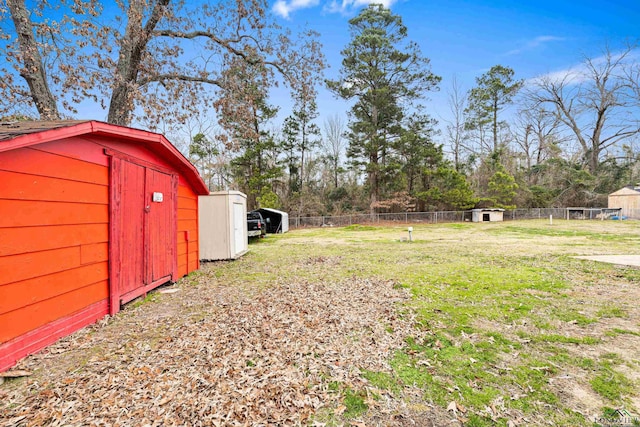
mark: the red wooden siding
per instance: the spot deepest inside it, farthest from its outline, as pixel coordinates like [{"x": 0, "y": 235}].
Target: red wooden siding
[
  {"x": 188, "y": 256},
  {"x": 49, "y": 333},
  {"x": 53, "y": 246},
  {"x": 18, "y": 322},
  {"x": 61, "y": 203},
  {"x": 32, "y": 213}
]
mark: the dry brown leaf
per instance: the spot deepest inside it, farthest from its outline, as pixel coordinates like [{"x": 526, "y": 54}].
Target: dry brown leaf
[{"x": 217, "y": 354}]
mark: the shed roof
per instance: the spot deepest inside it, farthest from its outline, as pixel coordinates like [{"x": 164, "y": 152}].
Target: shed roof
[
  {"x": 228, "y": 193},
  {"x": 10, "y": 130},
  {"x": 626, "y": 191},
  {"x": 14, "y": 135},
  {"x": 273, "y": 210}
]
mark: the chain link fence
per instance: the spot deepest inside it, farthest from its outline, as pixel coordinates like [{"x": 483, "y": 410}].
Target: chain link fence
[{"x": 448, "y": 217}]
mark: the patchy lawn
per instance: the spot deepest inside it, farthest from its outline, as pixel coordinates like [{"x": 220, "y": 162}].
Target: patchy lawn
[{"x": 469, "y": 324}]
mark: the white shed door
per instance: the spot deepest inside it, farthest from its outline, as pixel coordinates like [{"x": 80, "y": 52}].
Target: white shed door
[{"x": 239, "y": 225}]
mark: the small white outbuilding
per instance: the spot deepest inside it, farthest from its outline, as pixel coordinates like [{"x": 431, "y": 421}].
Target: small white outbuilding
[
  {"x": 487, "y": 215},
  {"x": 222, "y": 221}
]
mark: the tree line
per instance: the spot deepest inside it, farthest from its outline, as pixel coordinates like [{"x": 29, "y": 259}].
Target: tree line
[{"x": 557, "y": 140}]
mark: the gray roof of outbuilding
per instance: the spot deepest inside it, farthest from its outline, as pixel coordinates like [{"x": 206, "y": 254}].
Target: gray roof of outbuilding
[{"x": 10, "y": 130}]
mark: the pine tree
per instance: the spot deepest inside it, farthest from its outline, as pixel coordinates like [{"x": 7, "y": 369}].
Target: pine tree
[{"x": 385, "y": 74}]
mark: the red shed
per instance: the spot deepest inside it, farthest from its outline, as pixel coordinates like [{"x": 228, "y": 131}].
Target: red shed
[{"x": 92, "y": 215}]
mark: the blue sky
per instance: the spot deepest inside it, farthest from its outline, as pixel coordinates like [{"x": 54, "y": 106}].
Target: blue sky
[{"x": 466, "y": 38}]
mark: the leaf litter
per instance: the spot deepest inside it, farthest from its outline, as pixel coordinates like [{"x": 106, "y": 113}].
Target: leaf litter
[{"x": 222, "y": 355}]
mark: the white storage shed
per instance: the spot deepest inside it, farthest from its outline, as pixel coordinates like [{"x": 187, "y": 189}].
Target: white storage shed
[{"x": 222, "y": 220}]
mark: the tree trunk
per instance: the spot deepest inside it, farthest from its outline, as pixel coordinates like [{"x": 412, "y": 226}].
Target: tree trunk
[
  {"x": 132, "y": 49},
  {"x": 495, "y": 125},
  {"x": 594, "y": 159},
  {"x": 33, "y": 70},
  {"x": 373, "y": 183},
  {"x": 456, "y": 155},
  {"x": 303, "y": 147},
  {"x": 373, "y": 196}
]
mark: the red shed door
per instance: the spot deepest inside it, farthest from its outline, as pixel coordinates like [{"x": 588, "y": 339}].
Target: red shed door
[
  {"x": 144, "y": 229},
  {"x": 161, "y": 226},
  {"x": 131, "y": 231}
]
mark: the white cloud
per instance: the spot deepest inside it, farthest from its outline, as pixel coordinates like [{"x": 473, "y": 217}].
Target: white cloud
[
  {"x": 347, "y": 6},
  {"x": 285, "y": 7},
  {"x": 572, "y": 76},
  {"x": 532, "y": 44},
  {"x": 581, "y": 72}
]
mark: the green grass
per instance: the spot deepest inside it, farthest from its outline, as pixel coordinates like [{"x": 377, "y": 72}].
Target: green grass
[
  {"x": 151, "y": 297},
  {"x": 564, "y": 339},
  {"x": 618, "y": 331},
  {"x": 551, "y": 231},
  {"x": 358, "y": 227},
  {"x": 610, "y": 384},
  {"x": 503, "y": 305},
  {"x": 382, "y": 380},
  {"x": 573, "y": 316},
  {"x": 612, "y": 311},
  {"x": 355, "y": 403}
]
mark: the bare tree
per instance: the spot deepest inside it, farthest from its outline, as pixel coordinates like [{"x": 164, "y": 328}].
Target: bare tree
[
  {"x": 199, "y": 140},
  {"x": 163, "y": 65},
  {"x": 595, "y": 102},
  {"x": 334, "y": 144},
  {"x": 32, "y": 68},
  {"x": 455, "y": 127},
  {"x": 537, "y": 135}
]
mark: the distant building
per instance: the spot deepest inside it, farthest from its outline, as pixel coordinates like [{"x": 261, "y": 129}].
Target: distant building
[
  {"x": 627, "y": 199},
  {"x": 487, "y": 215}
]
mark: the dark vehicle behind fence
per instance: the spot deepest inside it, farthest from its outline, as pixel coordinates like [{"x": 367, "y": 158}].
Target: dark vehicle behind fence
[{"x": 255, "y": 224}]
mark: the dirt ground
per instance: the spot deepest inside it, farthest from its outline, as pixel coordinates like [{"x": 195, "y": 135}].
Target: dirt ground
[
  {"x": 607, "y": 292},
  {"x": 214, "y": 354}
]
